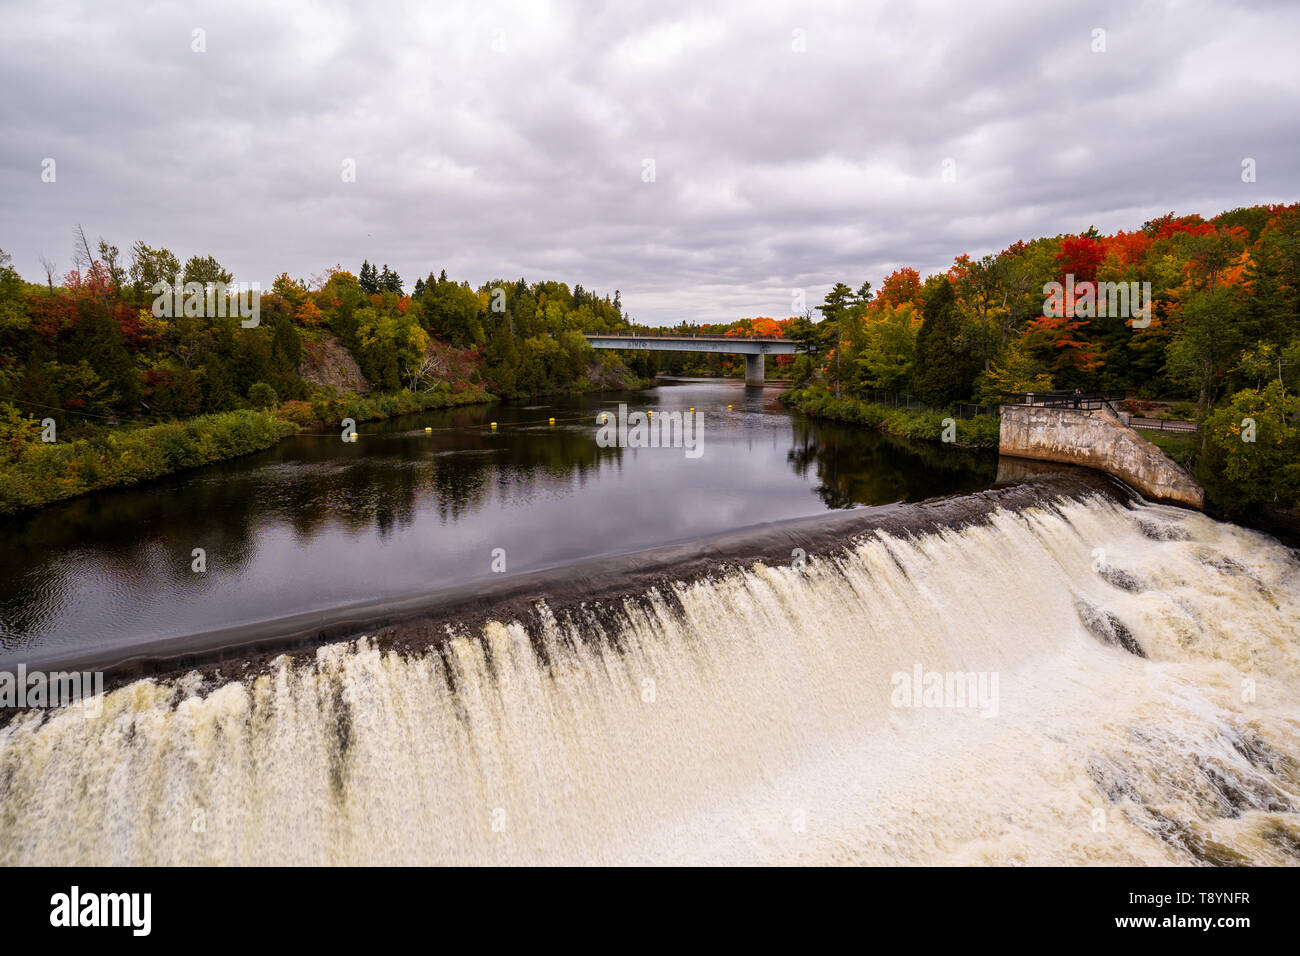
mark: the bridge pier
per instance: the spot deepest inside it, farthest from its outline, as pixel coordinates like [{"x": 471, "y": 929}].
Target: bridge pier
[{"x": 754, "y": 369}]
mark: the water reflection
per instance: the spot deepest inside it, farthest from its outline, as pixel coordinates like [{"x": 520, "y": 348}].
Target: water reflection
[
  {"x": 317, "y": 522},
  {"x": 856, "y": 466}
]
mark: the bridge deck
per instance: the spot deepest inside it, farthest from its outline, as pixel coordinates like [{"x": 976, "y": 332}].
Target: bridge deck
[
  {"x": 693, "y": 343},
  {"x": 752, "y": 349}
]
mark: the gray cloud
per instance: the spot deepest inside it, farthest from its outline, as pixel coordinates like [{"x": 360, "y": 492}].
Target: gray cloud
[{"x": 508, "y": 140}]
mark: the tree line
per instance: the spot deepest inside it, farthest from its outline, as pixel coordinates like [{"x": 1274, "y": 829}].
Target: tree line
[
  {"x": 91, "y": 347},
  {"x": 1209, "y": 318}
]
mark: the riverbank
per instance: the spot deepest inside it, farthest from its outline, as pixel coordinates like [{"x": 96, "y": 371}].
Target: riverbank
[
  {"x": 927, "y": 425},
  {"x": 330, "y": 413},
  {"x": 39, "y": 473},
  {"x": 34, "y": 473},
  {"x": 1275, "y": 519}
]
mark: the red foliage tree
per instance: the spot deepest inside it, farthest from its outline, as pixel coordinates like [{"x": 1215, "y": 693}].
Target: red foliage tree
[
  {"x": 1080, "y": 256},
  {"x": 901, "y": 285}
]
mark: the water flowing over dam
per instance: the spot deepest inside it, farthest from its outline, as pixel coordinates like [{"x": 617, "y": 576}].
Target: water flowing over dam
[{"x": 1137, "y": 670}]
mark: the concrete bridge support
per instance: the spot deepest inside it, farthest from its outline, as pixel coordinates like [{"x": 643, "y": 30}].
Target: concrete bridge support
[{"x": 754, "y": 369}]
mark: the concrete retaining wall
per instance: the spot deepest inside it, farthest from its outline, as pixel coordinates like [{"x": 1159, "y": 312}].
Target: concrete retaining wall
[{"x": 1097, "y": 439}]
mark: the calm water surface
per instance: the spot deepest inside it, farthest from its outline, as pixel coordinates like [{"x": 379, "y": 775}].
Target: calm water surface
[{"x": 316, "y": 522}]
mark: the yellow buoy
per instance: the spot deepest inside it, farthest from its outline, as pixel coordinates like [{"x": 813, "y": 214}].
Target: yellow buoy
[
  {"x": 494, "y": 425},
  {"x": 551, "y": 420},
  {"x": 428, "y": 429},
  {"x": 728, "y": 406}
]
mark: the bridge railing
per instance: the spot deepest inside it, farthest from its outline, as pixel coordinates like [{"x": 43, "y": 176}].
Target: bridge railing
[{"x": 671, "y": 334}]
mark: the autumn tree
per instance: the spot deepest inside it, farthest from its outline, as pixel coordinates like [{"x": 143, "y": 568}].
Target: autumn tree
[
  {"x": 888, "y": 355},
  {"x": 902, "y": 286}
]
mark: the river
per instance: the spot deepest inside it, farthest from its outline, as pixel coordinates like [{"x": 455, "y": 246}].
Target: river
[
  {"x": 316, "y": 523},
  {"x": 1051, "y": 672}
]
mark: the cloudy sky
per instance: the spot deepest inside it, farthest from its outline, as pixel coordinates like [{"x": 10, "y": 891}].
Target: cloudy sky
[{"x": 786, "y": 145}]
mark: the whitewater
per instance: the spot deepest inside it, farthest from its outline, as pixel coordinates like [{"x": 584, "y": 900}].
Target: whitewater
[{"x": 1144, "y": 658}]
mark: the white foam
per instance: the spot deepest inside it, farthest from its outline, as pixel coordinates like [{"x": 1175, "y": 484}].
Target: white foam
[{"x": 755, "y": 726}]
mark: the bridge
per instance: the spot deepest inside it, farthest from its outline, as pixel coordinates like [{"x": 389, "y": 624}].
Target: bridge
[{"x": 752, "y": 349}]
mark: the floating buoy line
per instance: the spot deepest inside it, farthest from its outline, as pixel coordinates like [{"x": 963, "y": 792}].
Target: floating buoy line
[{"x": 491, "y": 426}]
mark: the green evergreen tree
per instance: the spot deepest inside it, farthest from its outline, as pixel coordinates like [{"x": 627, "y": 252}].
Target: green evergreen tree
[
  {"x": 368, "y": 280},
  {"x": 946, "y": 365}
]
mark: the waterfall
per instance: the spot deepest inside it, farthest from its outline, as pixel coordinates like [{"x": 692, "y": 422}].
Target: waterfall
[{"x": 1132, "y": 676}]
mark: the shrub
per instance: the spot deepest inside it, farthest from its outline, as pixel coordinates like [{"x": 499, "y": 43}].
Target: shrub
[
  {"x": 329, "y": 412},
  {"x": 262, "y": 395},
  {"x": 983, "y": 431},
  {"x": 1252, "y": 450},
  {"x": 38, "y": 473},
  {"x": 50, "y": 472}
]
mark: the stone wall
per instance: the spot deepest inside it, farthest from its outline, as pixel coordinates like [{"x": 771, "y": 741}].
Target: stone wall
[{"x": 1097, "y": 439}]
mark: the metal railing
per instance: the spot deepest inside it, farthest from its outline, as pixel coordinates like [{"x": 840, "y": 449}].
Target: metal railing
[
  {"x": 1094, "y": 401},
  {"x": 672, "y": 334},
  {"x": 1161, "y": 425},
  {"x": 1067, "y": 398},
  {"x": 962, "y": 410},
  {"x": 965, "y": 410},
  {"x": 878, "y": 396}
]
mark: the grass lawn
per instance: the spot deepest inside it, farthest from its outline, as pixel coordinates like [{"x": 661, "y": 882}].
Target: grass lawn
[{"x": 1181, "y": 447}]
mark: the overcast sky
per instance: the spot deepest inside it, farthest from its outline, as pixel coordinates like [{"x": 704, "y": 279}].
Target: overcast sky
[{"x": 793, "y": 145}]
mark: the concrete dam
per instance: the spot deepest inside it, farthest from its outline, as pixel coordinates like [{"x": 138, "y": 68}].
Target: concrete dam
[{"x": 1095, "y": 437}]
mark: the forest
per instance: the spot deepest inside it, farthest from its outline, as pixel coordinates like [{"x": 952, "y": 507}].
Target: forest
[
  {"x": 1211, "y": 332},
  {"x": 93, "y": 347},
  {"x": 1218, "y": 341},
  {"x": 104, "y": 382}
]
